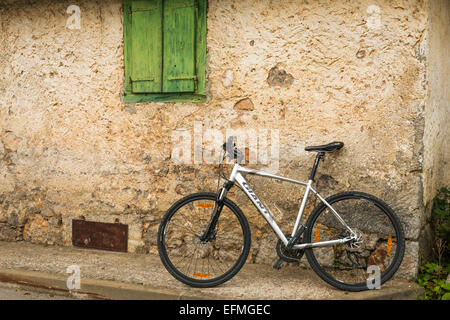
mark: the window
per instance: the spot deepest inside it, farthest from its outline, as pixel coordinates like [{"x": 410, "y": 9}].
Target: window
[{"x": 165, "y": 50}]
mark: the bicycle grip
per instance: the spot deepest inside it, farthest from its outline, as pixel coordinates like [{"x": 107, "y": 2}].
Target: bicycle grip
[{"x": 232, "y": 152}]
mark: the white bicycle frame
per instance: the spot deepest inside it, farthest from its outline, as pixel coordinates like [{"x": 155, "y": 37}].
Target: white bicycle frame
[{"x": 236, "y": 176}]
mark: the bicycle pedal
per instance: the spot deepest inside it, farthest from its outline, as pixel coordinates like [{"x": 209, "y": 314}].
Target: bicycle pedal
[{"x": 277, "y": 265}]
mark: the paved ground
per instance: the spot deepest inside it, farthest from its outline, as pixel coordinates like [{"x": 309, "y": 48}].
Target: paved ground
[
  {"x": 141, "y": 276},
  {"x": 16, "y": 292}
]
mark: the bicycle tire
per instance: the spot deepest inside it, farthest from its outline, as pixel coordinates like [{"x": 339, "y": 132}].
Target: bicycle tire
[
  {"x": 385, "y": 209},
  {"x": 203, "y": 283}
]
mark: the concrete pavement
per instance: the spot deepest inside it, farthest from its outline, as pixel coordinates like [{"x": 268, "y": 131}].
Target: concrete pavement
[
  {"x": 17, "y": 292},
  {"x": 112, "y": 275}
]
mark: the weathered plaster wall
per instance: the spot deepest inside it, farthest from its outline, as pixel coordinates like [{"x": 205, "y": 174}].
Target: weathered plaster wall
[
  {"x": 437, "y": 128},
  {"x": 437, "y": 112},
  {"x": 317, "y": 71}
]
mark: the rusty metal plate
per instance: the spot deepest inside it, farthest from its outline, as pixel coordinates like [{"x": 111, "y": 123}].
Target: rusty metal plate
[{"x": 100, "y": 235}]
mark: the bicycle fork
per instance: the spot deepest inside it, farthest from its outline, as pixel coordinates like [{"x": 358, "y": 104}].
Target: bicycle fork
[{"x": 209, "y": 234}]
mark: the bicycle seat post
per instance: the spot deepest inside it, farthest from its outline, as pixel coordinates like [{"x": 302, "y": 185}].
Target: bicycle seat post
[{"x": 319, "y": 156}]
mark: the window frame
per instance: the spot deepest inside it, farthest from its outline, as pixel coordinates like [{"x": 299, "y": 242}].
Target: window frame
[{"x": 197, "y": 97}]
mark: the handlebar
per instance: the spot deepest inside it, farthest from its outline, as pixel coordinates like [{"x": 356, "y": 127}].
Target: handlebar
[{"x": 231, "y": 151}]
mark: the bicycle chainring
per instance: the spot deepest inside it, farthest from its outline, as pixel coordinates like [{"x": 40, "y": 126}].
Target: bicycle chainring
[{"x": 289, "y": 255}]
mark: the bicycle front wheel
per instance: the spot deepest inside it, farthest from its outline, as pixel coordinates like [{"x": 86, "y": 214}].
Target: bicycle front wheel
[
  {"x": 205, "y": 263},
  {"x": 366, "y": 262}
]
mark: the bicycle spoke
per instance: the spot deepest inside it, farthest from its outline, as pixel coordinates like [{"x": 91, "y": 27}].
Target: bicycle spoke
[
  {"x": 190, "y": 262},
  {"x": 209, "y": 259},
  {"x": 184, "y": 227},
  {"x": 374, "y": 246}
]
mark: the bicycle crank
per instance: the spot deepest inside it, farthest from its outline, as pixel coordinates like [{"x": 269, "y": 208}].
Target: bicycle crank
[{"x": 287, "y": 255}]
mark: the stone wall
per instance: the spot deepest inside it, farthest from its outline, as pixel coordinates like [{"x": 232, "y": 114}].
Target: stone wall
[{"x": 316, "y": 71}]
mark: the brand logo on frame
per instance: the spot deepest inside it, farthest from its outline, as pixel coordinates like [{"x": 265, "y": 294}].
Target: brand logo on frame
[{"x": 266, "y": 212}]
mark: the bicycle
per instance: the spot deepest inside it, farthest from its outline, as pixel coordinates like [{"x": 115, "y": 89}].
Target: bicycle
[{"x": 204, "y": 238}]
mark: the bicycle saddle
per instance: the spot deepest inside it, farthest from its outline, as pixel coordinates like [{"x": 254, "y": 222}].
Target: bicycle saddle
[{"x": 331, "y": 147}]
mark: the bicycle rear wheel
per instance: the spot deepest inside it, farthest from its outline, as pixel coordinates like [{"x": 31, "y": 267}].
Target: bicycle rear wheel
[
  {"x": 203, "y": 263},
  {"x": 362, "y": 264}
]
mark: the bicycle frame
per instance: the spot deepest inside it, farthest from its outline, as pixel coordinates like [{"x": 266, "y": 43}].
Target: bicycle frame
[{"x": 237, "y": 176}]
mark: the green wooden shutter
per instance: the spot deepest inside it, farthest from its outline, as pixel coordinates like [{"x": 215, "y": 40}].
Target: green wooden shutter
[
  {"x": 146, "y": 46},
  {"x": 201, "y": 47},
  {"x": 179, "y": 71}
]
